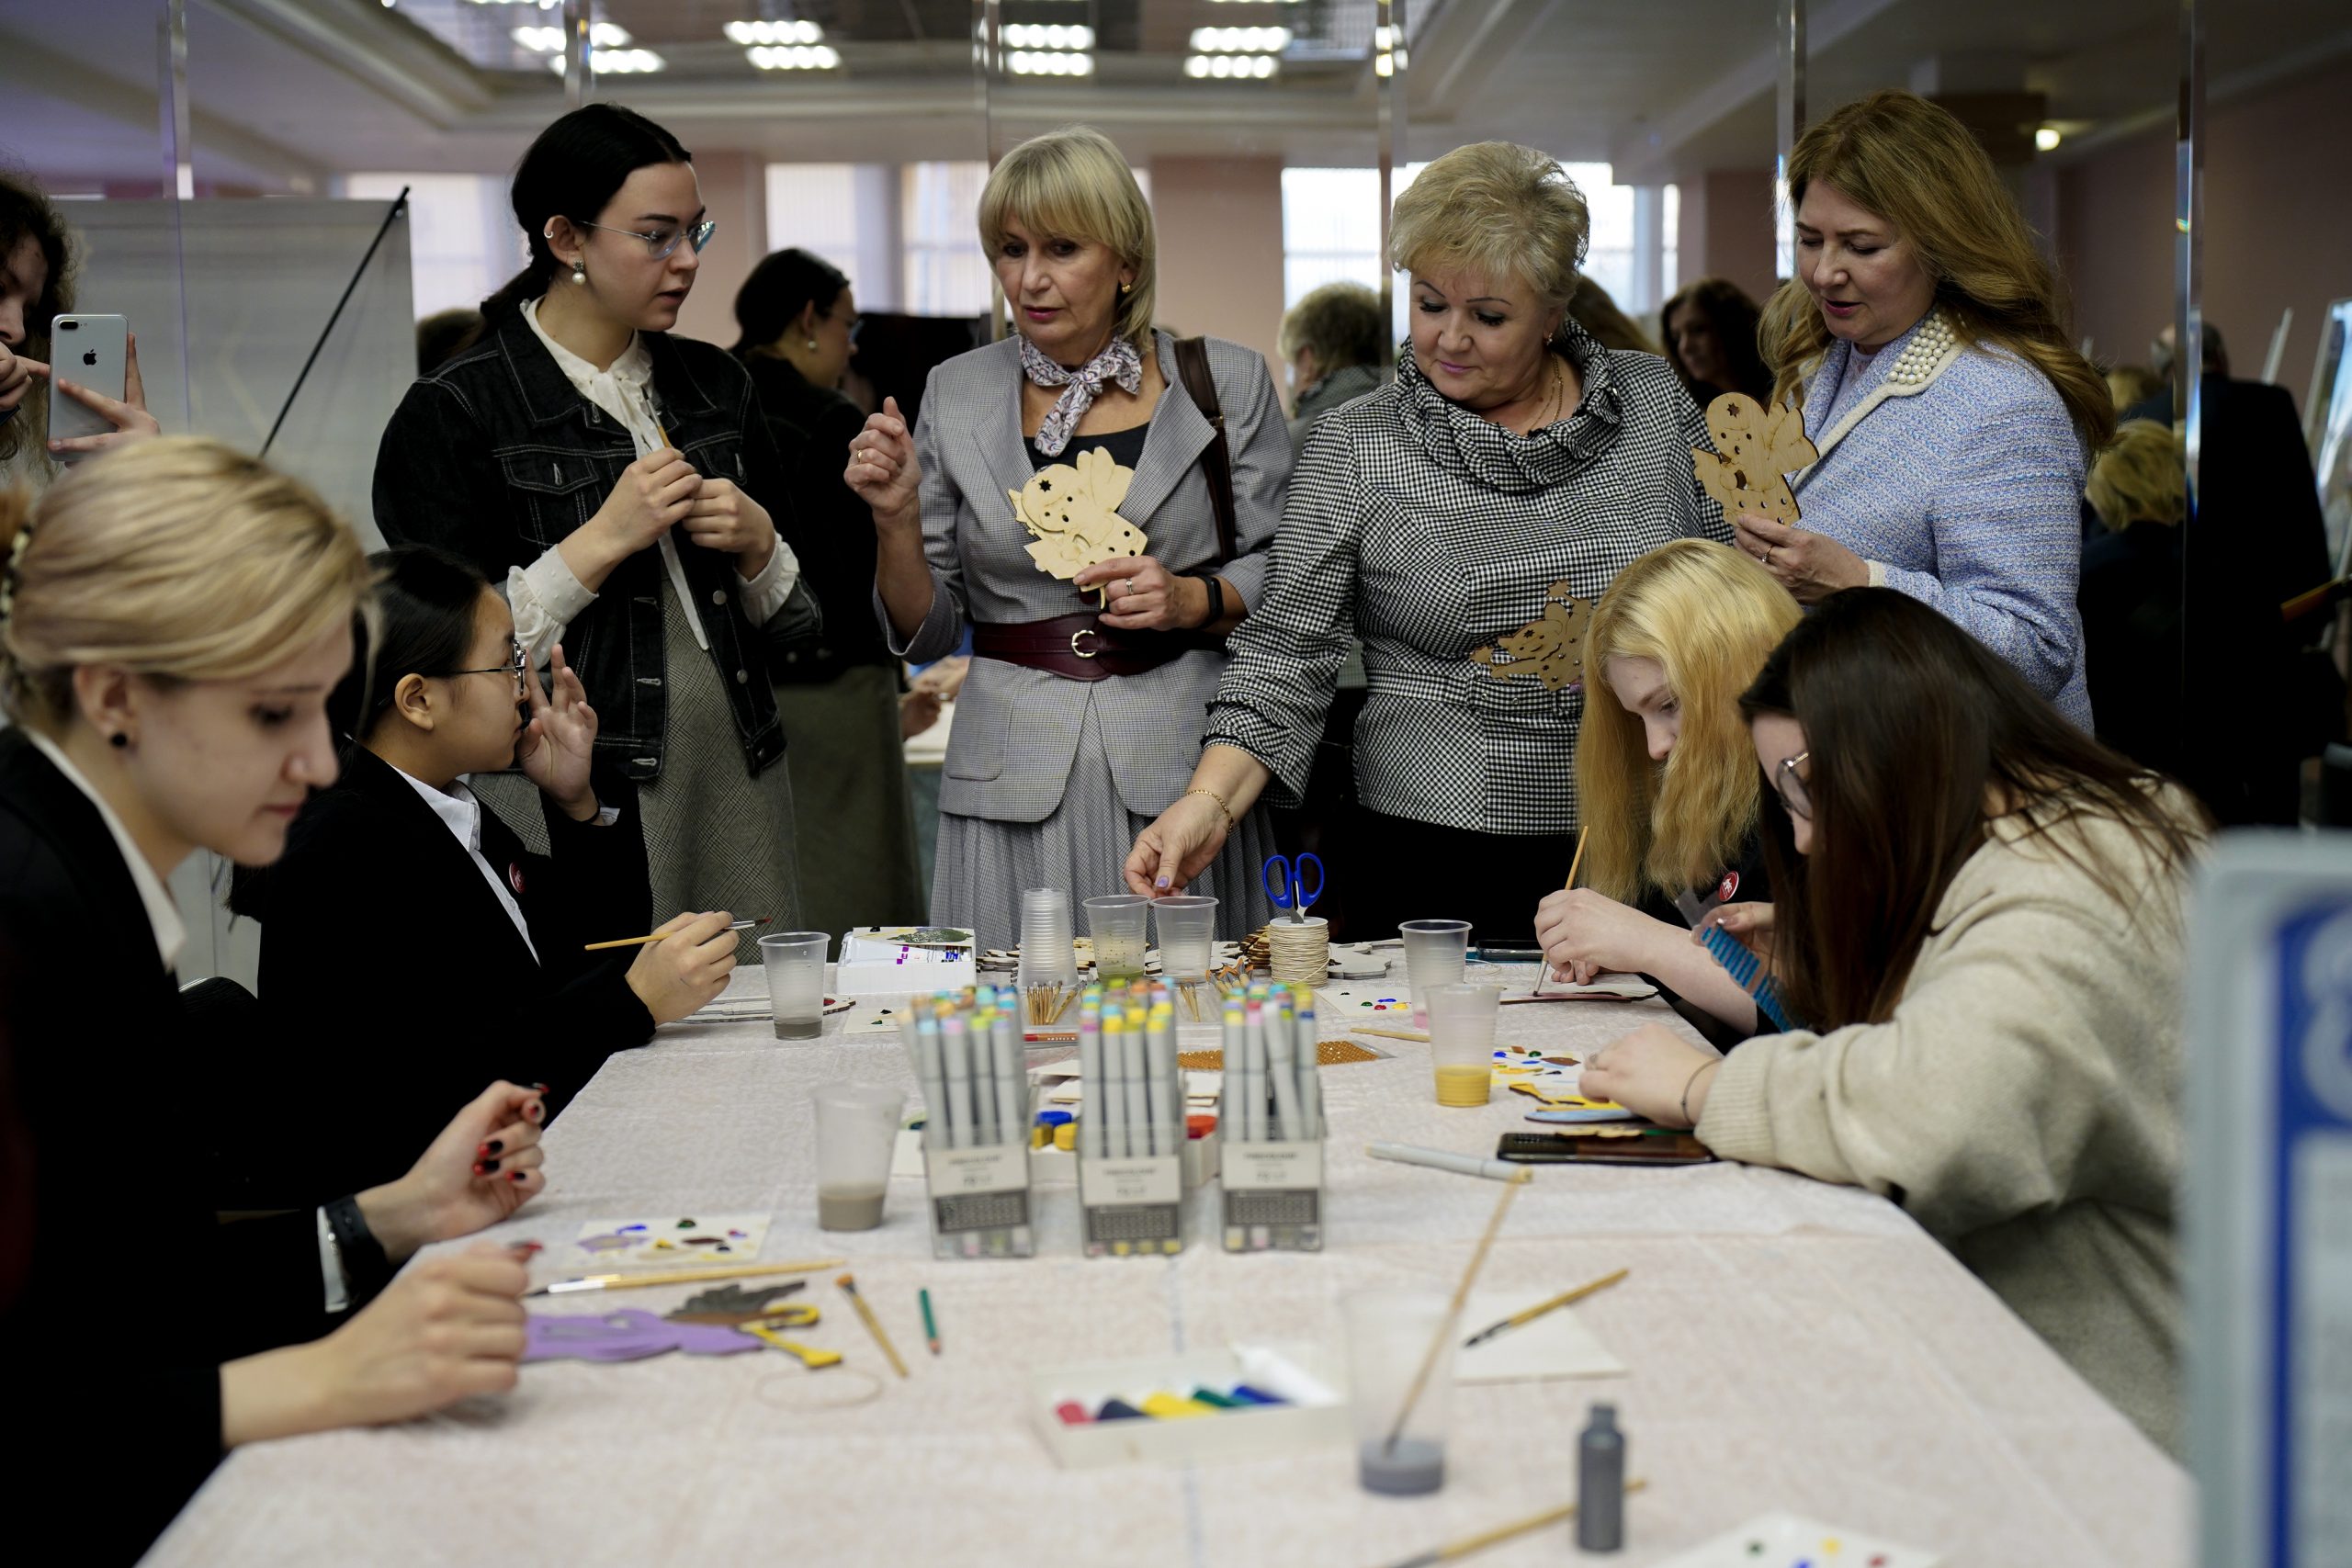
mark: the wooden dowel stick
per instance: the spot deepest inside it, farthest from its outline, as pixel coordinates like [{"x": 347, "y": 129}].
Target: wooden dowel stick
[{"x": 1461, "y": 1294}]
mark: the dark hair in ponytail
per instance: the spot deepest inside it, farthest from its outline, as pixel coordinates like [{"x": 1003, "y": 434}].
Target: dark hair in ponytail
[
  {"x": 780, "y": 287},
  {"x": 573, "y": 171},
  {"x": 425, "y": 603}
]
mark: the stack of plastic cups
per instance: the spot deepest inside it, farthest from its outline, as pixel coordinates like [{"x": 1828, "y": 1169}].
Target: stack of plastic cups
[{"x": 1048, "y": 956}]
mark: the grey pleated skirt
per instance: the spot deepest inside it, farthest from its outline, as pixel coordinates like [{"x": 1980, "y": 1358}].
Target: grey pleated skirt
[
  {"x": 858, "y": 866},
  {"x": 984, "y": 865}
]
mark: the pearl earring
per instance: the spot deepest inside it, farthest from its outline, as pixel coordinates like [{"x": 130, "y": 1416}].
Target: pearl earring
[
  {"x": 580, "y": 270},
  {"x": 812, "y": 346}
]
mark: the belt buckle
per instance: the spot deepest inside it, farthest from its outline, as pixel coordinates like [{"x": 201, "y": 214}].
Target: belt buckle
[{"x": 1084, "y": 631}]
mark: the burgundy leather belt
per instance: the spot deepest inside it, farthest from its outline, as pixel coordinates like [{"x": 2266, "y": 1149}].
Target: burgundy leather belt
[{"x": 1080, "y": 648}]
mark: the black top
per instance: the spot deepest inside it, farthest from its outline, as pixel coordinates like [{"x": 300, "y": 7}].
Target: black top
[
  {"x": 812, "y": 427},
  {"x": 1125, "y": 447},
  {"x": 1745, "y": 881},
  {"x": 495, "y": 456},
  {"x": 392, "y": 974},
  {"x": 133, "y": 1292}
]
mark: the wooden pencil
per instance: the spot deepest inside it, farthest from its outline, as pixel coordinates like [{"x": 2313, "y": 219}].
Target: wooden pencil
[
  {"x": 1455, "y": 1550},
  {"x": 682, "y": 1276}
]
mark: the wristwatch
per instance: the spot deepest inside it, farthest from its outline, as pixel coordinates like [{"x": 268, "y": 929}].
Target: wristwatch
[{"x": 1208, "y": 579}]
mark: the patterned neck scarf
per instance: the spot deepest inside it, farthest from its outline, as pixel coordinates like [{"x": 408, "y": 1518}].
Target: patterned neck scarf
[{"x": 1119, "y": 363}]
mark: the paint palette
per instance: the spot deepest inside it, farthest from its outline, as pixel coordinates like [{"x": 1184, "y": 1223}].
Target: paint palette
[
  {"x": 1788, "y": 1540},
  {"x": 674, "y": 1241}
]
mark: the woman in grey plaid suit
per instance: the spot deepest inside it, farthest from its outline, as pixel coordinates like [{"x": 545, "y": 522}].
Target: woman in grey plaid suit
[
  {"x": 1460, "y": 521},
  {"x": 1053, "y": 499}
]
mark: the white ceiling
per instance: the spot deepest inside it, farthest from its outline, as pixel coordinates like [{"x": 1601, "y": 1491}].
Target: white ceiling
[{"x": 287, "y": 92}]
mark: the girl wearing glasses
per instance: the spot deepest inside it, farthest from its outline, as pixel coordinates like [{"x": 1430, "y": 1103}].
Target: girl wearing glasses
[
  {"x": 401, "y": 846},
  {"x": 1666, "y": 778},
  {"x": 171, "y": 618},
  {"x": 619, "y": 485},
  {"x": 1979, "y": 908}
]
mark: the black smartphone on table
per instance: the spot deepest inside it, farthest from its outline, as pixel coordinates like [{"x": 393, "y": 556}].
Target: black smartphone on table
[{"x": 1589, "y": 1145}]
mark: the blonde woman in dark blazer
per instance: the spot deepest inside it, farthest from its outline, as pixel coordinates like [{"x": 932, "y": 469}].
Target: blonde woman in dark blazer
[{"x": 1081, "y": 718}]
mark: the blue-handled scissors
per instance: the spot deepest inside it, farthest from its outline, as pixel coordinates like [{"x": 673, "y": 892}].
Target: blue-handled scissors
[{"x": 1287, "y": 882}]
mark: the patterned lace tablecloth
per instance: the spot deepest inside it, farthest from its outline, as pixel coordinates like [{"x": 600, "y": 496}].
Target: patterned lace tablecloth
[{"x": 1791, "y": 1344}]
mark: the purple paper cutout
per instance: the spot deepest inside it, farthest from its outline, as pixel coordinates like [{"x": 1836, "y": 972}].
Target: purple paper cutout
[{"x": 626, "y": 1335}]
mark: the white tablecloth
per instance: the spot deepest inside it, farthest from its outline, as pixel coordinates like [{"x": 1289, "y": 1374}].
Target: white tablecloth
[{"x": 1792, "y": 1346}]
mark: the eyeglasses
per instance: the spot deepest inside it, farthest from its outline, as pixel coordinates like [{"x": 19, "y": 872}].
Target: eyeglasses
[
  {"x": 856, "y": 323},
  {"x": 662, "y": 241},
  {"x": 1791, "y": 789},
  {"x": 513, "y": 669}
]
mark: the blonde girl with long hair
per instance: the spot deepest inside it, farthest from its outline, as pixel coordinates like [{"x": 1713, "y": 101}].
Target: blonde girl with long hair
[
  {"x": 1924, "y": 336},
  {"x": 171, "y": 618},
  {"x": 1666, "y": 782}
]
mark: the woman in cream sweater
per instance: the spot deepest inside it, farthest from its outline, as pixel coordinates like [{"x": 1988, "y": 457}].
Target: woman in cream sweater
[{"x": 1979, "y": 910}]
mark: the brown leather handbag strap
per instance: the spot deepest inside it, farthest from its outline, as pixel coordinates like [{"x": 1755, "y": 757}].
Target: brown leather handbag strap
[{"x": 1216, "y": 463}]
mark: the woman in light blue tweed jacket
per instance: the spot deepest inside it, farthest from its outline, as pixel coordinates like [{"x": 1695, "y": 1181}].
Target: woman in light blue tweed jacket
[{"x": 1953, "y": 419}]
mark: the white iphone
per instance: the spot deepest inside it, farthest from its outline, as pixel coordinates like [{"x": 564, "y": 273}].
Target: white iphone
[{"x": 92, "y": 351}]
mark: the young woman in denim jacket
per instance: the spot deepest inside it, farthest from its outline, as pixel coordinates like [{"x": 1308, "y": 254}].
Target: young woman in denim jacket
[{"x": 620, "y": 485}]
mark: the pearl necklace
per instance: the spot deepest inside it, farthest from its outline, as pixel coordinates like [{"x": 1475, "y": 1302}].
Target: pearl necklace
[{"x": 1929, "y": 344}]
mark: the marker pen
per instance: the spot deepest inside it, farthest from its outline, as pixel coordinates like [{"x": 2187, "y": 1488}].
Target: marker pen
[
  {"x": 1114, "y": 1086},
  {"x": 1310, "y": 1066},
  {"x": 958, "y": 1051},
  {"x": 935, "y": 1083},
  {"x": 1137, "y": 1118},
  {"x": 1253, "y": 1073},
  {"x": 1090, "y": 1083},
  {"x": 1169, "y": 1114},
  {"x": 1284, "y": 1069},
  {"x": 1012, "y": 1078}
]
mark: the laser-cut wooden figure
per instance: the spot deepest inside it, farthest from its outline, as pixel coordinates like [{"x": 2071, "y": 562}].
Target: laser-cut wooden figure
[
  {"x": 1755, "y": 452},
  {"x": 1072, "y": 515},
  {"x": 1550, "y": 647}
]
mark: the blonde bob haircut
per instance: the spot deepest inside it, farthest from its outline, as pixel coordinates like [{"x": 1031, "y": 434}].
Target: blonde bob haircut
[
  {"x": 1915, "y": 165},
  {"x": 175, "y": 558},
  {"x": 1711, "y": 617},
  {"x": 1074, "y": 184},
  {"x": 1499, "y": 209},
  {"x": 2143, "y": 477}
]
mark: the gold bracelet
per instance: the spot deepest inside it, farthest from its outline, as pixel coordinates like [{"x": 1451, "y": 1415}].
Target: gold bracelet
[{"x": 1226, "y": 811}]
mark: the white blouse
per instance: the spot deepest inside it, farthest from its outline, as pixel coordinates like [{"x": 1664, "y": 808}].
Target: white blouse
[{"x": 546, "y": 596}]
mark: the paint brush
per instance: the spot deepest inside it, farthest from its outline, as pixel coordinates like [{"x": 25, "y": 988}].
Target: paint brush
[
  {"x": 1540, "y": 1308},
  {"x": 682, "y": 1276},
  {"x": 1453, "y": 1310},
  {"x": 873, "y": 1324},
  {"x": 1575, "y": 860},
  {"x": 1455, "y": 1549},
  {"x": 664, "y": 936}
]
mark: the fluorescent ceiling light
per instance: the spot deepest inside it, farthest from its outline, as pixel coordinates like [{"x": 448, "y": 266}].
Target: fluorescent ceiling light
[
  {"x": 774, "y": 32},
  {"x": 1240, "y": 40},
  {"x": 794, "y": 57},
  {"x": 549, "y": 39},
  {"x": 2048, "y": 137},
  {"x": 1231, "y": 67},
  {"x": 1048, "y": 35},
  {"x": 1042, "y": 63},
  {"x": 612, "y": 61}
]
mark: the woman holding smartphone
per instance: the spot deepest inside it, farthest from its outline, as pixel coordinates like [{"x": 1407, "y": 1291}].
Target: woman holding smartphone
[
  {"x": 621, "y": 486},
  {"x": 36, "y": 288}
]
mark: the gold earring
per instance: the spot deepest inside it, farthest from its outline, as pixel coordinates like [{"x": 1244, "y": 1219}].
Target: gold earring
[{"x": 1126, "y": 288}]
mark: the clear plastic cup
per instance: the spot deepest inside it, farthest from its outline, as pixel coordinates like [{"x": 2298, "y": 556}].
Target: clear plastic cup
[
  {"x": 1048, "y": 955},
  {"x": 1390, "y": 1335},
  {"x": 795, "y": 964},
  {"x": 1435, "y": 953},
  {"x": 1461, "y": 1043},
  {"x": 1187, "y": 925},
  {"x": 1116, "y": 921},
  {"x": 857, "y": 1134}
]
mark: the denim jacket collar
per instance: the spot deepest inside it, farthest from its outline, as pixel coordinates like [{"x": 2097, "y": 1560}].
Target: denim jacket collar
[{"x": 546, "y": 395}]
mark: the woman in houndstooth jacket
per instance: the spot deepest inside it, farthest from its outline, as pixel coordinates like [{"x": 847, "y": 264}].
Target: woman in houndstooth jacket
[
  {"x": 1460, "y": 521},
  {"x": 1074, "y": 439}
]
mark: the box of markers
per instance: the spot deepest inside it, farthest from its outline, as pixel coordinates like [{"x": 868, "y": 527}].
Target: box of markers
[
  {"x": 1131, "y": 1122},
  {"x": 1272, "y": 1116},
  {"x": 904, "y": 961},
  {"x": 1246, "y": 1402},
  {"x": 966, "y": 1050}
]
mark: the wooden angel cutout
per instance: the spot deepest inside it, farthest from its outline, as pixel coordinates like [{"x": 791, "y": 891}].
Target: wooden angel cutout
[
  {"x": 1550, "y": 647},
  {"x": 1755, "y": 451},
  {"x": 1072, "y": 515}
]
